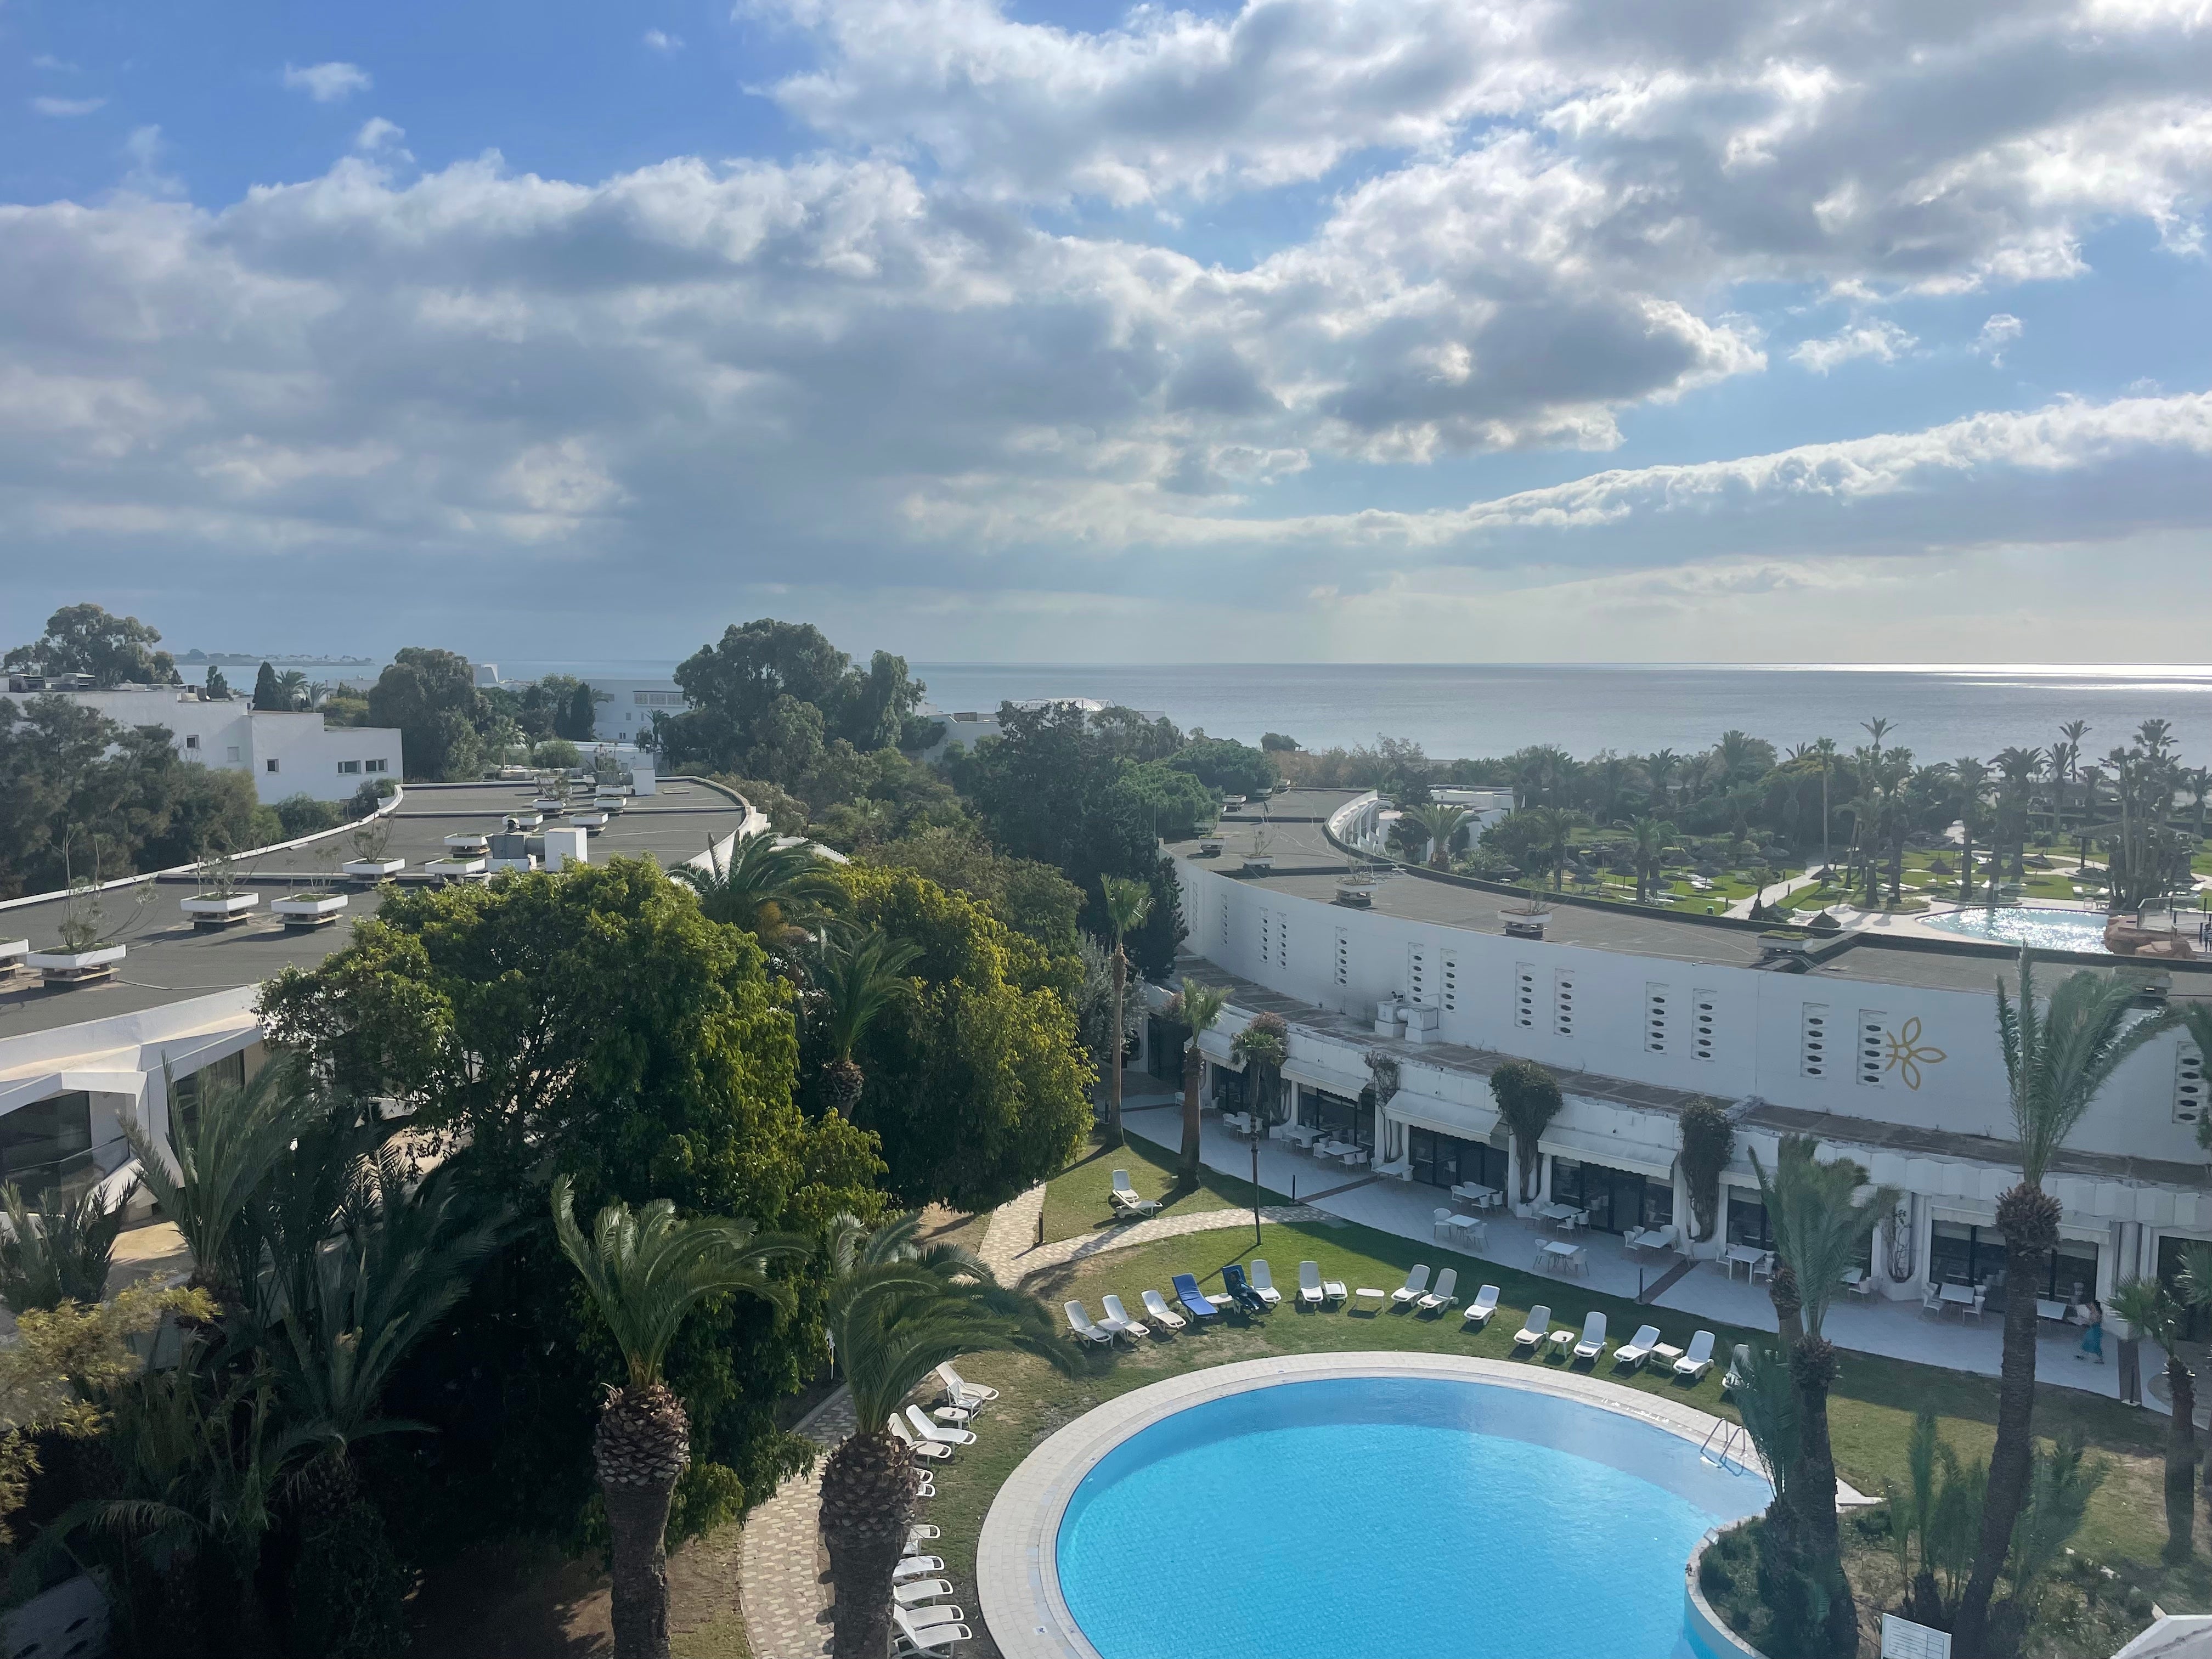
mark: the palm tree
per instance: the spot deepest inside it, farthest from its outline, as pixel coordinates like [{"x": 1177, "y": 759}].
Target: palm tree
[
  {"x": 1972, "y": 778},
  {"x": 1826, "y": 749},
  {"x": 857, "y": 980},
  {"x": 1128, "y": 902},
  {"x": 2073, "y": 732},
  {"x": 1822, "y": 1216},
  {"x": 2151, "y": 1309},
  {"x": 1659, "y": 766},
  {"x": 1648, "y": 848},
  {"x": 644, "y": 1272},
  {"x": 217, "y": 1157},
  {"x": 897, "y": 1309},
  {"x": 2056, "y": 1061},
  {"x": 57, "y": 1254},
  {"x": 1439, "y": 825},
  {"x": 1197, "y": 1008},
  {"x": 1550, "y": 827},
  {"x": 761, "y": 887}
]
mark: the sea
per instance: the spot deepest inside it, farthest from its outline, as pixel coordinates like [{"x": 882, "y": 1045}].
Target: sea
[{"x": 1454, "y": 709}]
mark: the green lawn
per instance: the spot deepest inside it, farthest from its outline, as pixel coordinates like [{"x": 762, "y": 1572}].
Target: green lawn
[
  {"x": 1871, "y": 1414},
  {"x": 1075, "y": 1199}
]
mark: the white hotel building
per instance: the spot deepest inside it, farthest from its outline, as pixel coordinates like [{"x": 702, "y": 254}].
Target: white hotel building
[{"x": 1886, "y": 1050}]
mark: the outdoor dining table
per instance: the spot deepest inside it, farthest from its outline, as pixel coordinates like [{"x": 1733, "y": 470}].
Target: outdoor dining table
[
  {"x": 1302, "y": 1134},
  {"x": 1745, "y": 1256},
  {"x": 1563, "y": 1215},
  {"x": 1957, "y": 1296},
  {"x": 1562, "y": 1258},
  {"x": 1476, "y": 1194},
  {"x": 1470, "y": 1230}
]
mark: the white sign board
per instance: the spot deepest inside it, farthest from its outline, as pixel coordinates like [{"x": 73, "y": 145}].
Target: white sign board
[{"x": 1903, "y": 1639}]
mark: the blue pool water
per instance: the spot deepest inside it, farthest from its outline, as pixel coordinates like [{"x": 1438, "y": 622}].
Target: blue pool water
[
  {"x": 1392, "y": 1518},
  {"x": 2044, "y": 929}
]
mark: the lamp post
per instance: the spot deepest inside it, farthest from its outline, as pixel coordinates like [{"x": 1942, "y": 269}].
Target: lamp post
[{"x": 1256, "y": 1188}]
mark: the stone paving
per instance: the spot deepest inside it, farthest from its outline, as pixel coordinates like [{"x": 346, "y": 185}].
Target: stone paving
[
  {"x": 1010, "y": 1253},
  {"x": 785, "y": 1594}
]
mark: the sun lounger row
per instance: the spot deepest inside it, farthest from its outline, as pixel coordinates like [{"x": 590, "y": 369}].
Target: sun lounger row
[
  {"x": 1536, "y": 1333},
  {"x": 924, "y": 1627}
]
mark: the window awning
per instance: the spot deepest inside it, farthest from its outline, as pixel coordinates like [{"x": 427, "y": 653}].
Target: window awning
[
  {"x": 1445, "y": 1117},
  {"x": 1615, "y": 1151},
  {"x": 1328, "y": 1079},
  {"x": 1215, "y": 1046}
]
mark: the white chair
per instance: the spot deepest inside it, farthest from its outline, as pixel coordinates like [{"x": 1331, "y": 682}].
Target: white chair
[
  {"x": 919, "y": 1448},
  {"x": 936, "y": 1433},
  {"x": 1931, "y": 1302},
  {"x": 1309, "y": 1282},
  {"x": 1118, "y": 1321},
  {"x": 1974, "y": 1310},
  {"x": 919, "y": 1533},
  {"x": 1263, "y": 1282},
  {"x": 1534, "y": 1328},
  {"x": 1480, "y": 1311},
  {"x": 1125, "y": 1198},
  {"x": 1415, "y": 1287},
  {"x": 1634, "y": 1353},
  {"x": 1080, "y": 1322},
  {"x": 1439, "y": 1225},
  {"x": 1446, "y": 1292},
  {"x": 1593, "y": 1342},
  {"x": 925, "y": 1485},
  {"x": 1161, "y": 1313},
  {"x": 927, "y": 1641},
  {"x": 919, "y": 1590},
  {"x": 916, "y": 1566},
  {"x": 1764, "y": 1267},
  {"x": 1698, "y": 1358},
  {"x": 959, "y": 1391}
]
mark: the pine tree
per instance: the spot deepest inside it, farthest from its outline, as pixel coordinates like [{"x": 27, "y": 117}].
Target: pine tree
[{"x": 267, "y": 692}]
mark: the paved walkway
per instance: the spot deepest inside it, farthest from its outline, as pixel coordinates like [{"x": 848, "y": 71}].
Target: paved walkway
[
  {"x": 1012, "y": 1254},
  {"x": 782, "y": 1570}
]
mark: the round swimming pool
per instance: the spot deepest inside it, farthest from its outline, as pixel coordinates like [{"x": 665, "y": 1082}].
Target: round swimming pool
[
  {"x": 2044, "y": 929},
  {"x": 1391, "y": 1517}
]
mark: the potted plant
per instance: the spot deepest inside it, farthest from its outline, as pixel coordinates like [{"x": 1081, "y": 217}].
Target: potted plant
[
  {"x": 219, "y": 902},
  {"x": 1260, "y": 862},
  {"x": 369, "y": 843},
  {"x": 313, "y": 904},
  {"x": 88, "y": 951}
]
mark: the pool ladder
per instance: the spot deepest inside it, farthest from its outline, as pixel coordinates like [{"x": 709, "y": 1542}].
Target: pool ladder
[{"x": 1725, "y": 1454}]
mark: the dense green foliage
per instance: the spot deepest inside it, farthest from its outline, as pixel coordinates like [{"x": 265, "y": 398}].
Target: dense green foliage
[
  {"x": 431, "y": 697},
  {"x": 84, "y": 639},
  {"x": 1226, "y": 766},
  {"x": 768, "y": 694},
  {"x": 80, "y": 794}
]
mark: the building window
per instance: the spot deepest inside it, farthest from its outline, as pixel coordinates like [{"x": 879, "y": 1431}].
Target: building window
[
  {"x": 1267, "y": 936},
  {"x": 231, "y": 754},
  {"x": 1654, "y": 1019},
  {"x": 1345, "y": 1119},
  {"x": 348, "y": 766},
  {"x": 1704, "y": 1005},
  {"x": 270, "y": 765},
  {"x": 1746, "y": 1220},
  {"x": 191, "y": 1088},
  {"x": 1282, "y": 938},
  {"x": 374, "y": 765},
  {"x": 1163, "y": 1049},
  {"x": 1442, "y": 1160},
  {"x": 193, "y": 740},
  {"x": 1959, "y": 1254},
  {"x": 675, "y": 700},
  {"x": 1417, "y": 975},
  {"x": 1614, "y": 1199},
  {"x": 1813, "y": 1040},
  {"x": 46, "y": 1147}
]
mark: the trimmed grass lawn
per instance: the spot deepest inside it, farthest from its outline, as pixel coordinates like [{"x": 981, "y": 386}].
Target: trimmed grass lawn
[
  {"x": 1871, "y": 1412},
  {"x": 1075, "y": 1199}
]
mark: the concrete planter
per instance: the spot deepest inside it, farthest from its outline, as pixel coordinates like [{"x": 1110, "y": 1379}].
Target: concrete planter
[
  {"x": 74, "y": 967},
  {"x": 454, "y": 868},
  {"x": 211, "y": 910},
  {"x": 468, "y": 844},
  {"x": 552, "y": 805},
  {"x": 375, "y": 869},
  {"x": 13, "y": 954},
  {"x": 594, "y": 822},
  {"x": 1258, "y": 866},
  {"x": 1210, "y": 847},
  {"x": 309, "y": 911}
]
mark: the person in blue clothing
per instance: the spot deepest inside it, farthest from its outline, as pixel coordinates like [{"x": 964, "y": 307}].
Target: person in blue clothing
[{"x": 2092, "y": 1336}]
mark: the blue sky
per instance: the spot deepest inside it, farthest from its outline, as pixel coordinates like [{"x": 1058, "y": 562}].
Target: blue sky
[{"x": 1360, "y": 329}]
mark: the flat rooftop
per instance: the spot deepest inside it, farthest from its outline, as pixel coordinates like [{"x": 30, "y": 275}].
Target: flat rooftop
[{"x": 170, "y": 961}]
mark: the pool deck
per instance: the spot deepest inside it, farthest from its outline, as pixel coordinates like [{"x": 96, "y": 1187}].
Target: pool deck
[
  {"x": 1895, "y": 1330},
  {"x": 1017, "y": 1585}
]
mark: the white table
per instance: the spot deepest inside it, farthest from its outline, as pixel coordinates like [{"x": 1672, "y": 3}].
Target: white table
[
  {"x": 1563, "y": 1215},
  {"x": 1957, "y": 1296},
  {"x": 1302, "y": 1134},
  {"x": 1469, "y": 1232},
  {"x": 1745, "y": 1256},
  {"x": 1666, "y": 1353},
  {"x": 1563, "y": 1258},
  {"x": 1481, "y": 1197}
]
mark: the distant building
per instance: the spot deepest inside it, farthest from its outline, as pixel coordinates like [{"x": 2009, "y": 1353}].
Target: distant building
[
  {"x": 287, "y": 753},
  {"x": 631, "y": 705}
]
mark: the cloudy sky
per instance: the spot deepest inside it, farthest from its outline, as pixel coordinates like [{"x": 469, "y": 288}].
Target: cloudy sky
[{"x": 1431, "y": 329}]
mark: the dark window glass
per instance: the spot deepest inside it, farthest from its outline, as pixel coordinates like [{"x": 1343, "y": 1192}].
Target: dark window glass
[
  {"x": 1229, "y": 1087},
  {"x": 185, "y": 1104},
  {"x": 1961, "y": 1254},
  {"x": 47, "y": 1146},
  {"x": 1747, "y": 1223},
  {"x": 1163, "y": 1049}
]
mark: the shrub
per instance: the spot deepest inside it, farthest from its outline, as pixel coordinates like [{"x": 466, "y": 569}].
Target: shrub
[
  {"x": 303, "y": 815},
  {"x": 556, "y": 754}
]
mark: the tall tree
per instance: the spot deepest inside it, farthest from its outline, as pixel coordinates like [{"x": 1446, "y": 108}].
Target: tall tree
[
  {"x": 1648, "y": 839},
  {"x": 1528, "y": 1098},
  {"x": 765, "y": 886},
  {"x": 1197, "y": 1009},
  {"x": 1972, "y": 778},
  {"x": 856, "y": 979},
  {"x": 899, "y": 1309},
  {"x": 645, "y": 1272},
  {"x": 84, "y": 639},
  {"x": 431, "y": 697},
  {"x": 2152, "y": 1310},
  {"x": 2056, "y": 1061},
  {"x": 1127, "y": 903},
  {"x": 267, "y": 694},
  {"x": 1438, "y": 824}
]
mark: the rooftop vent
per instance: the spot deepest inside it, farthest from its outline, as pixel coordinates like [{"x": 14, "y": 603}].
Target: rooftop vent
[{"x": 1526, "y": 926}]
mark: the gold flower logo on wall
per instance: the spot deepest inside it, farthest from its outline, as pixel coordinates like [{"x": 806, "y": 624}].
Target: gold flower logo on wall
[{"x": 1907, "y": 1054}]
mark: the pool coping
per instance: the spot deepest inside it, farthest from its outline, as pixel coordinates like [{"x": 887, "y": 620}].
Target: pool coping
[{"x": 1017, "y": 1582}]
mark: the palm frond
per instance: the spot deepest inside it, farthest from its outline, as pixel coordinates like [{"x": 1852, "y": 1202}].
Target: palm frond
[
  {"x": 2058, "y": 1058},
  {"x": 858, "y": 978},
  {"x": 1822, "y": 1215}
]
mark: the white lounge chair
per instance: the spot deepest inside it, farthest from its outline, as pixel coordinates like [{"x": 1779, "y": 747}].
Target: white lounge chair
[
  {"x": 1480, "y": 1311},
  {"x": 1080, "y": 1322},
  {"x": 1157, "y": 1306},
  {"x": 916, "y": 1566},
  {"x": 959, "y": 1391},
  {"x": 1534, "y": 1328},
  {"x": 1118, "y": 1321},
  {"x": 920, "y": 1590},
  {"x": 937, "y": 1433},
  {"x": 933, "y": 1638},
  {"x": 1126, "y": 1198},
  {"x": 925, "y": 1485},
  {"x": 1637, "y": 1349},
  {"x": 1263, "y": 1281},
  {"x": 919, "y": 1533},
  {"x": 1415, "y": 1287},
  {"x": 1593, "y": 1342},
  {"x": 1698, "y": 1358},
  {"x": 1446, "y": 1292},
  {"x": 919, "y": 1448}
]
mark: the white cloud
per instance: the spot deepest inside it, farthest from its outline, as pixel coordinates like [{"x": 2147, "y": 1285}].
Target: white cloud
[
  {"x": 378, "y": 135},
  {"x": 1997, "y": 335},
  {"x": 65, "y": 107},
  {"x": 1880, "y": 339},
  {"x": 328, "y": 83},
  {"x": 145, "y": 149},
  {"x": 660, "y": 40},
  {"x": 46, "y": 60}
]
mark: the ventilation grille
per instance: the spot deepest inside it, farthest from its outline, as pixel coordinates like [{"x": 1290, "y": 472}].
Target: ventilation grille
[
  {"x": 1655, "y": 998},
  {"x": 1343, "y": 957},
  {"x": 1267, "y": 936},
  {"x": 1813, "y": 1040},
  {"x": 1282, "y": 938},
  {"x": 2188, "y": 1086},
  {"x": 1451, "y": 981},
  {"x": 1225, "y": 921},
  {"x": 1524, "y": 994},
  {"x": 1417, "y": 975},
  {"x": 1563, "y": 1003},
  {"x": 1704, "y": 1008},
  {"x": 1873, "y": 1045}
]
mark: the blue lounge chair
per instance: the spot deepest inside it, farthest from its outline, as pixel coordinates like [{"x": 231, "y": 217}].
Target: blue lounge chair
[
  {"x": 1240, "y": 1289},
  {"x": 1186, "y": 1288}
]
